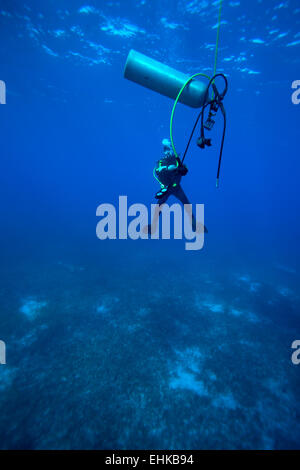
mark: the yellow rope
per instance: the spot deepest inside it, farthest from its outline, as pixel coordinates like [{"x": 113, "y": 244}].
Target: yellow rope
[
  {"x": 175, "y": 104},
  {"x": 218, "y": 36},
  {"x": 217, "y": 42},
  {"x": 192, "y": 77}
]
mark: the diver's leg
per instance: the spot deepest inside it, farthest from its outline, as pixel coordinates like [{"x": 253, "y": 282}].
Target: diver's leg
[
  {"x": 180, "y": 194},
  {"x": 151, "y": 228}
]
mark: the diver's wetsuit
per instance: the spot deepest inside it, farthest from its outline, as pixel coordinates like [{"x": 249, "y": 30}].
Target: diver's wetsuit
[
  {"x": 170, "y": 179},
  {"x": 169, "y": 171},
  {"x": 181, "y": 196}
]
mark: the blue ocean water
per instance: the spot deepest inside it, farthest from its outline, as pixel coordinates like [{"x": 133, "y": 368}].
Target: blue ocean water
[{"x": 123, "y": 344}]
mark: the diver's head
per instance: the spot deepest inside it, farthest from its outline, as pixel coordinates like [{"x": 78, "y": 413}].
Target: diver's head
[{"x": 167, "y": 146}]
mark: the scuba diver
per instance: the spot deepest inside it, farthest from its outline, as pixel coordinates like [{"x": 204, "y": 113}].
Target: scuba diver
[
  {"x": 169, "y": 82},
  {"x": 168, "y": 172},
  {"x": 170, "y": 168}
]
